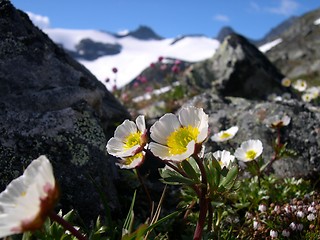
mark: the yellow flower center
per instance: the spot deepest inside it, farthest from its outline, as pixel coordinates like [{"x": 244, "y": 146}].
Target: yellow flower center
[
  {"x": 24, "y": 193},
  {"x": 132, "y": 140},
  {"x": 129, "y": 160},
  {"x": 251, "y": 154},
  {"x": 179, "y": 139},
  {"x": 225, "y": 135}
]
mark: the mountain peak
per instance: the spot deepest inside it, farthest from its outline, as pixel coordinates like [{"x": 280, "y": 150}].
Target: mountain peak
[
  {"x": 224, "y": 32},
  {"x": 144, "y": 33}
]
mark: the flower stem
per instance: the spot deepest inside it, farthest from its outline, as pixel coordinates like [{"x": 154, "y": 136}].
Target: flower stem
[
  {"x": 203, "y": 202},
  {"x": 54, "y": 217}
]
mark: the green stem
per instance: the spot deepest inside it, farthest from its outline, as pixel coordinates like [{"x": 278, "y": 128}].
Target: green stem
[
  {"x": 54, "y": 217},
  {"x": 276, "y": 153},
  {"x": 259, "y": 173},
  {"x": 203, "y": 202}
]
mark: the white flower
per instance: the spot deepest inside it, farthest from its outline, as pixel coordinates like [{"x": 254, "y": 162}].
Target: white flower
[
  {"x": 256, "y": 224},
  {"x": 28, "y": 199},
  {"x": 249, "y": 150},
  {"x": 312, "y": 209},
  {"x": 293, "y": 226},
  {"x": 300, "y": 214},
  {"x": 279, "y": 121},
  {"x": 314, "y": 91},
  {"x": 223, "y": 157},
  {"x": 286, "y": 233},
  {"x": 225, "y": 135},
  {"x": 277, "y": 208},
  {"x": 286, "y": 82},
  {"x": 129, "y": 138},
  {"x": 299, "y": 227},
  {"x": 178, "y": 137},
  {"x": 300, "y": 85},
  {"x": 273, "y": 234},
  {"x": 307, "y": 97},
  {"x": 262, "y": 208},
  {"x": 311, "y": 217}
]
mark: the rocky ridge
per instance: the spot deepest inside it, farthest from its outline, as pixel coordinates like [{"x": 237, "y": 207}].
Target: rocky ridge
[{"x": 51, "y": 105}]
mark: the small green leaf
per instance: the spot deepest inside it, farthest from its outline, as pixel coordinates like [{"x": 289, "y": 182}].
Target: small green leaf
[
  {"x": 127, "y": 226},
  {"x": 174, "y": 178},
  {"x": 187, "y": 167},
  {"x": 228, "y": 181},
  {"x": 69, "y": 216},
  {"x": 177, "y": 180}
]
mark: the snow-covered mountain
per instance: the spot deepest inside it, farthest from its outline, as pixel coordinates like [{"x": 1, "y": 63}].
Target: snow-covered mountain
[{"x": 130, "y": 55}]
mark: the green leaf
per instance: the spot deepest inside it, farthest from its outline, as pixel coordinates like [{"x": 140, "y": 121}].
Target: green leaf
[
  {"x": 177, "y": 180},
  {"x": 127, "y": 226},
  {"x": 228, "y": 181},
  {"x": 172, "y": 177},
  {"x": 252, "y": 167},
  {"x": 69, "y": 216},
  {"x": 187, "y": 167}
]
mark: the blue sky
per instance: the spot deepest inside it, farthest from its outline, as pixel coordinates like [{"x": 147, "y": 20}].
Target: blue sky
[{"x": 168, "y": 18}]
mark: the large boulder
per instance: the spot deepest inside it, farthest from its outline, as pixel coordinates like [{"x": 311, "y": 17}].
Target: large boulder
[
  {"x": 239, "y": 69},
  {"x": 50, "y": 104},
  {"x": 302, "y": 135}
]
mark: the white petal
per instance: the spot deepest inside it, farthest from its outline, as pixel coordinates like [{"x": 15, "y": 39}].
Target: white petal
[
  {"x": 114, "y": 146},
  {"x": 141, "y": 123},
  {"x": 161, "y": 130},
  {"x": 189, "y": 116},
  {"x": 286, "y": 120},
  {"x": 217, "y": 155},
  {"x": 24, "y": 194},
  {"x": 129, "y": 152},
  {"x": 159, "y": 151},
  {"x": 195, "y": 117},
  {"x": 123, "y": 130},
  {"x": 203, "y": 128},
  {"x": 7, "y": 230},
  {"x": 186, "y": 154},
  {"x": 233, "y": 130},
  {"x": 240, "y": 154},
  {"x": 136, "y": 162}
]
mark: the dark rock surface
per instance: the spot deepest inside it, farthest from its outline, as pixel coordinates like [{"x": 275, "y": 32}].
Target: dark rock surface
[
  {"x": 90, "y": 50},
  {"x": 52, "y": 105},
  {"x": 239, "y": 69},
  {"x": 302, "y": 135}
]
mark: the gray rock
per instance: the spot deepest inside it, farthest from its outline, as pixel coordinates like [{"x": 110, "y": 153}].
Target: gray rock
[
  {"x": 297, "y": 56},
  {"x": 50, "y": 104},
  {"x": 302, "y": 135},
  {"x": 239, "y": 69}
]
